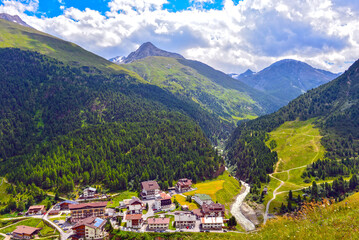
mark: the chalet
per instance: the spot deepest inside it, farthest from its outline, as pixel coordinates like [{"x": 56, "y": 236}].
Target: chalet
[
  {"x": 214, "y": 223},
  {"x": 185, "y": 220},
  {"x": 135, "y": 206},
  {"x": 36, "y": 210},
  {"x": 158, "y": 223},
  {"x": 202, "y": 199},
  {"x": 163, "y": 202},
  {"x": 213, "y": 210},
  {"x": 134, "y": 220},
  {"x": 85, "y": 210},
  {"x": 184, "y": 185},
  {"x": 24, "y": 232},
  {"x": 150, "y": 189},
  {"x": 54, "y": 212},
  {"x": 65, "y": 204},
  {"x": 89, "y": 192},
  {"x": 89, "y": 228}
]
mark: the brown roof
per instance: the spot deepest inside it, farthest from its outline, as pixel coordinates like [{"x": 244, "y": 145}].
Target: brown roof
[
  {"x": 214, "y": 207},
  {"x": 197, "y": 212},
  {"x": 150, "y": 185},
  {"x": 93, "y": 222},
  {"x": 25, "y": 230},
  {"x": 184, "y": 182},
  {"x": 36, "y": 208},
  {"x": 87, "y": 205},
  {"x": 158, "y": 220},
  {"x": 135, "y": 200},
  {"x": 165, "y": 196},
  {"x": 133, "y": 216}
]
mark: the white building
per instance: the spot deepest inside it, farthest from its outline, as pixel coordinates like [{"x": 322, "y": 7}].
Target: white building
[
  {"x": 89, "y": 192},
  {"x": 158, "y": 223},
  {"x": 185, "y": 220},
  {"x": 135, "y": 206},
  {"x": 215, "y": 223},
  {"x": 150, "y": 189},
  {"x": 202, "y": 199}
]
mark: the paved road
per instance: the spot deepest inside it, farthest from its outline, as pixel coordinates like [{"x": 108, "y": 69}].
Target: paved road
[
  {"x": 236, "y": 209},
  {"x": 63, "y": 235},
  {"x": 150, "y": 212}
]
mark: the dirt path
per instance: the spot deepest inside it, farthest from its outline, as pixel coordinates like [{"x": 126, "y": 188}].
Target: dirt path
[
  {"x": 275, "y": 193},
  {"x": 236, "y": 209}
]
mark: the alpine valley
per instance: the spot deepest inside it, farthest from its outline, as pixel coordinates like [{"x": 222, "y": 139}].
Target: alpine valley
[{"x": 157, "y": 146}]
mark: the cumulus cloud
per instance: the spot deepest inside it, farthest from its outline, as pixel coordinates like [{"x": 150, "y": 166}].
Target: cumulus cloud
[{"x": 250, "y": 34}]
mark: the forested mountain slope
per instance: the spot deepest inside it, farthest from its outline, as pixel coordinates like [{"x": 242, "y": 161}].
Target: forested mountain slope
[
  {"x": 336, "y": 107},
  {"x": 287, "y": 79},
  {"x": 58, "y": 117},
  {"x": 215, "y": 91}
]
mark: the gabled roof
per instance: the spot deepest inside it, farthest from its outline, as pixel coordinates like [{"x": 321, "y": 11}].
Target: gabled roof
[
  {"x": 165, "y": 196},
  {"x": 87, "y": 205},
  {"x": 25, "y": 230},
  {"x": 212, "y": 220},
  {"x": 158, "y": 220},
  {"x": 36, "y": 207},
  {"x": 135, "y": 200},
  {"x": 92, "y": 222},
  {"x": 184, "y": 182},
  {"x": 213, "y": 207},
  {"x": 185, "y": 217},
  {"x": 69, "y": 202},
  {"x": 133, "y": 216},
  {"x": 91, "y": 189},
  {"x": 150, "y": 185}
]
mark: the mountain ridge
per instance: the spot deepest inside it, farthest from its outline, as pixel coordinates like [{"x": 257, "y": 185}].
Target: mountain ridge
[{"x": 14, "y": 19}]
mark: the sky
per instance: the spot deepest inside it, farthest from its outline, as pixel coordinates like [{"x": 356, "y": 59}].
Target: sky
[{"x": 229, "y": 35}]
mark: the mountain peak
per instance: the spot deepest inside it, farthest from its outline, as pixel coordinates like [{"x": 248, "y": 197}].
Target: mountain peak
[
  {"x": 14, "y": 19},
  {"x": 147, "y": 49}
]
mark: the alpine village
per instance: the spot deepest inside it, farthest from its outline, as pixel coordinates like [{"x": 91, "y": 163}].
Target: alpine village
[{"x": 154, "y": 145}]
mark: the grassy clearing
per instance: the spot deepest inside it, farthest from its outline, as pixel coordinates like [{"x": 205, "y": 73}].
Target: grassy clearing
[
  {"x": 4, "y": 196},
  {"x": 120, "y": 197},
  {"x": 182, "y": 200},
  {"x": 298, "y": 144},
  {"x": 337, "y": 221},
  {"x": 31, "y": 222}
]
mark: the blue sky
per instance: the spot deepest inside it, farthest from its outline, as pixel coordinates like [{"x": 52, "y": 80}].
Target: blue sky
[{"x": 230, "y": 35}]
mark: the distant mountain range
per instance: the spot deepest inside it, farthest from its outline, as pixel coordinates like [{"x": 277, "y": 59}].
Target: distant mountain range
[
  {"x": 145, "y": 50},
  {"x": 214, "y": 90},
  {"x": 14, "y": 19},
  {"x": 286, "y": 79}
]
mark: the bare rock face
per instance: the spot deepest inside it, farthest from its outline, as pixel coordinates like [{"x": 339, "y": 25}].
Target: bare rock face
[
  {"x": 254, "y": 213},
  {"x": 14, "y": 19}
]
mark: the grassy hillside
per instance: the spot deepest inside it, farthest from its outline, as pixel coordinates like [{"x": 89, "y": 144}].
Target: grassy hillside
[
  {"x": 331, "y": 222},
  {"x": 212, "y": 89},
  {"x": 13, "y": 35}
]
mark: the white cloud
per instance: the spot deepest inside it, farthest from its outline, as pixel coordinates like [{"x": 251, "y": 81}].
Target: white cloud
[{"x": 251, "y": 34}]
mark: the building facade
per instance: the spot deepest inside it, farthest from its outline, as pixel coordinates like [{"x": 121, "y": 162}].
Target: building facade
[
  {"x": 25, "y": 232},
  {"x": 150, "y": 189},
  {"x": 91, "y": 228},
  {"x": 134, "y": 220},
  {"x": 185, "y": 220},
  {"x": 183, "y": 185},
  {"x": 202, "y": 199},
  {"x": 158, "y": 223},
  {"x": 36, "y": 210},
  {"x": 212, "y": 223},
  {"x": 213, "y": 210},
  {"x": 85, "y": 210}
]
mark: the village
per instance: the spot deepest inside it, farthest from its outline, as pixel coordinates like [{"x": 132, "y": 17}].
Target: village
[{"x": 153, "y": 211}]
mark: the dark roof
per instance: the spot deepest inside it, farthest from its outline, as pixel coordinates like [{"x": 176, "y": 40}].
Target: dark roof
[
  {"x": 87, "y": 205},
  {"x": 25, "y": 230},
  {"x": 150, "y": 185},
  {"x": 184, "y": 182},
  {"x": 214, "y": 207},
  {"x": 69, "y": 202},
  {"x": 92, "y": 222}
]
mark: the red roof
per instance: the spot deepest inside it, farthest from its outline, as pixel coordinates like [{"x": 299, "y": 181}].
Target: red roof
[
  {"x": 133, "y": 216},
  {"x": 165, "y": 196},
  {"x": 25, "y": 230},
  {"x": 150, "y": 185},
  {"x": 87, "y": 205},
  {"x": 158, "y": 220},
  {"x": 197, "y": 212}
]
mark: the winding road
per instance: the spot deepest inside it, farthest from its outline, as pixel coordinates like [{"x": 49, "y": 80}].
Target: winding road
[{"x": 236, "y": 209}]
